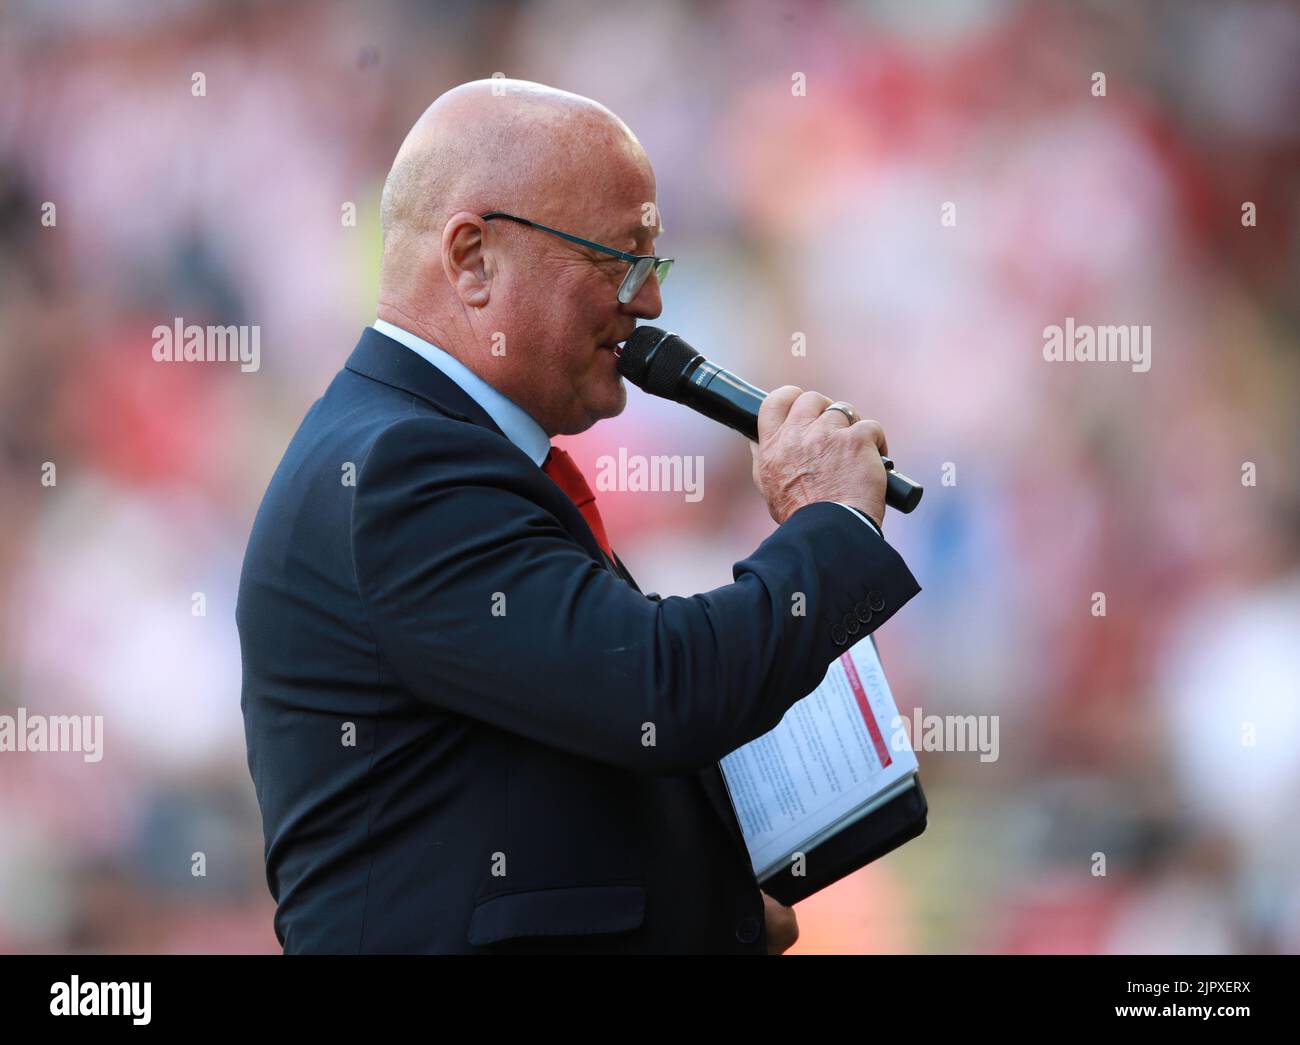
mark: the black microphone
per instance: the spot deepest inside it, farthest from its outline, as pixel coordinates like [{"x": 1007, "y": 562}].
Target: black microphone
[{"x": 661, "y": 363}]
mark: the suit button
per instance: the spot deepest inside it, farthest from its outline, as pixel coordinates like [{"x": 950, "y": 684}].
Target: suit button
[
  {"x": 875, "y": 600},
  {"x": 747, "y": 930},
  {"x": 851, "y": 624},
  {"x": 863, "y": 611},
  {"x": 838, "y": 635}
]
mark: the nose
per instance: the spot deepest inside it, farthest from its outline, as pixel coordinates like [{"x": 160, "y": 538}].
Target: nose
[{"x": 648, "y": 302}]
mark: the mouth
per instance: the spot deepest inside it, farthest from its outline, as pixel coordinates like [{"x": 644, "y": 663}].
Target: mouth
[{"x": 614, "y": 346}]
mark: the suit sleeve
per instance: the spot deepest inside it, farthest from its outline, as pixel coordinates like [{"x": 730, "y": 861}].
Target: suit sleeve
[
  {"x": 864, "y": 517},
  {"x": 482, "y": 604}
]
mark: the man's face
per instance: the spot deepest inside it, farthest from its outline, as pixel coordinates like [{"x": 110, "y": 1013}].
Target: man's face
[{"x": 564, "y": 300}]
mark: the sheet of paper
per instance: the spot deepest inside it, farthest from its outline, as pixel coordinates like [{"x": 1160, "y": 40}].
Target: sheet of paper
[{"x": 834, "y": 751}]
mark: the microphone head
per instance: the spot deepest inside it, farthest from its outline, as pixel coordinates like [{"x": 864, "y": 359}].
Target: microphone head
[{"x": 654, "y": 360}]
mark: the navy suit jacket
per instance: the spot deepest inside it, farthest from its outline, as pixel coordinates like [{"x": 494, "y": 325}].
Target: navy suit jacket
[{"x": 469, "y": 731}]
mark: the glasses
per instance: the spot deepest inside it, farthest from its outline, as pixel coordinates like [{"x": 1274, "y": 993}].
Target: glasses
[{"x": 642, "y": 264}]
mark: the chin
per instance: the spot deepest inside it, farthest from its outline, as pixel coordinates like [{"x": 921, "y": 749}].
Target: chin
[
  {"x": 618, "y": 402},
  {"x": 606, "y": 407}
]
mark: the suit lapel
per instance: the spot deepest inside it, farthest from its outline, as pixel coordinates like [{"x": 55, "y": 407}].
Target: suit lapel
[
  {"x": 380, "y": 358},
  {"x": 618, "y": 567}
]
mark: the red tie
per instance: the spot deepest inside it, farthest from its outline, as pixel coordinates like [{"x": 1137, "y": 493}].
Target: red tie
[{"x": 569, "y": 478}]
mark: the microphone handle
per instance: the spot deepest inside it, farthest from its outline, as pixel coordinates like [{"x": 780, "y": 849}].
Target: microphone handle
[{"x": 722, "y": 396}]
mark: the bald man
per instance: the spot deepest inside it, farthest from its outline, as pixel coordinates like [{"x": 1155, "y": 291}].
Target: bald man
[{"x": 468, "y": 729}]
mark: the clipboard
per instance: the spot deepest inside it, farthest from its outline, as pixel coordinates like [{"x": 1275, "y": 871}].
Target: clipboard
[
  {"x": 882, "y": 831},
  {"x": 858, "y": 835}
]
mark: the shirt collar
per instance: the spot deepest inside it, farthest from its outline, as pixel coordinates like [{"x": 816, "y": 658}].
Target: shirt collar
[{"x": 518, "y": 426}]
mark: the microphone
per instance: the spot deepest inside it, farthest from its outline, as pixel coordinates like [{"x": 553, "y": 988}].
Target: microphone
[{"x": 661, "y": 363}]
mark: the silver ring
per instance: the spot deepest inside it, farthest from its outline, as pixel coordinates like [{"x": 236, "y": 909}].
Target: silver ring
[{"x": 846, "y": 410}]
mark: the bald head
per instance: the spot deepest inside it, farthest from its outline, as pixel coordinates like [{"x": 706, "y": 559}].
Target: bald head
[
  {"x": 531, "y": 313},
  {"x": 502, "y": 144}
]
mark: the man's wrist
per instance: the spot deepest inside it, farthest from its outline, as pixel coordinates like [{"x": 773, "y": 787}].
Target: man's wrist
[{"x": 864, "y": 517}]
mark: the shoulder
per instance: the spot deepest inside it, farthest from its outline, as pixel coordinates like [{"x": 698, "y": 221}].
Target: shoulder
[
  {"x": 427, "y": 441},
  {"x": 428, "y": 460}
]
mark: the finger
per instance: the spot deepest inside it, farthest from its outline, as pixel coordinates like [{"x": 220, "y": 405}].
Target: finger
[
  {"x": 835, "y": 418},
  {"x": 782, "y": 925},
  {"x": 775, "y": 408},
  {"x": 807, "y": 408},
  {"x": 786, "y": 929},
  {"x": 870, "y": 432}
]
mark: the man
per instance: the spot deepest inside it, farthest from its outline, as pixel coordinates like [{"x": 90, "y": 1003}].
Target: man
[{"x": 468, "y": 729}]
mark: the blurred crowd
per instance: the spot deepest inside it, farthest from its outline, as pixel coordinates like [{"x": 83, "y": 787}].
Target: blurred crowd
[{"x": 201, "y": 158}]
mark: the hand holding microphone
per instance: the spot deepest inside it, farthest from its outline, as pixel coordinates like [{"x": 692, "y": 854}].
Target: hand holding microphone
[
  {"x": 808, "y": 448},
  {"x": 807, "y": 452}
]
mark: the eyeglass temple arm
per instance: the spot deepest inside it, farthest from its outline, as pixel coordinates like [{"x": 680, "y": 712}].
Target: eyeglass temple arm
[{"x": 621, "y": 254}]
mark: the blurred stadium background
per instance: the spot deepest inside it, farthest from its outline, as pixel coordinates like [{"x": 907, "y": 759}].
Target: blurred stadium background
[{"x": 817, "y": 215}]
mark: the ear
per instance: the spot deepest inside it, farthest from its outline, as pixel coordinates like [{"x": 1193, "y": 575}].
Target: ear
[{"x": 465, "y": 259}]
